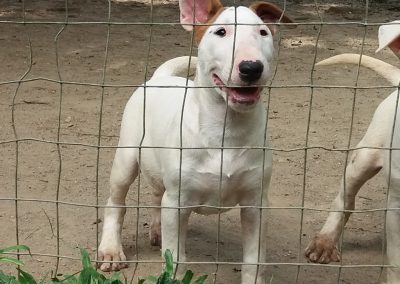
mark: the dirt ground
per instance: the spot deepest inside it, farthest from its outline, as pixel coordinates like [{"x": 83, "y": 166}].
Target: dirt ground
[{"x": 76, "y": 53}]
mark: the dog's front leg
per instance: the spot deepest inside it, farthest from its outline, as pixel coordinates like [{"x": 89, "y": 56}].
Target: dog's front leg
[
  {"x": 123, "y": 172},
  {"x": 174, "y": 224},
  {"x": 254, "y": 244}
]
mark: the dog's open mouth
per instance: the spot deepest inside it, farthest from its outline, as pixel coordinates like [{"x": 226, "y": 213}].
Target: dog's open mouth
[{"x": 240, "y": 95}]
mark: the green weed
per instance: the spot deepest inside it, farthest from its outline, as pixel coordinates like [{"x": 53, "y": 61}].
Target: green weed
[
  {"x": 167, "y": 276},
  {"x": 89, "y": 274}
]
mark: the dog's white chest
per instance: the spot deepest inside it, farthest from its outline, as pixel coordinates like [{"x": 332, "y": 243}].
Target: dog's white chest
[
  {"x": 229, "y": 164},
  {"x": 222, "y": 179}
]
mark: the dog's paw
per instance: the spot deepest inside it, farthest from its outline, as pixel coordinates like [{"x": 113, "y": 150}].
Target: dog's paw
[
  {"x": 322, "y": 249},
  {"x": 108, "y": 255}
]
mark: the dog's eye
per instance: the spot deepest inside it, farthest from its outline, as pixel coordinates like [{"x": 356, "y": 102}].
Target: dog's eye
[
  {"x": 221, "y": 32},
  {"x": 263, "y": 32}
]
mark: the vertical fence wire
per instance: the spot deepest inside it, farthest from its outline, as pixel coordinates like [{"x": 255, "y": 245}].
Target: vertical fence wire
[
  {"x": 187, "y": 79},
  {"x": 221, "y": 168},
  {"x": 265, "y": 144},
  {"x": 100, "y": 123},
  {"x": 305, "y": 160},
  {"x": 266, "y": 138},
  {"x": 59, "y": 154},
  {"x": 350, "y": 135},
  {"x": 389, "y": 180},
  {"x": 14, "y": 127},
  {"x": 139, "y": 177}
]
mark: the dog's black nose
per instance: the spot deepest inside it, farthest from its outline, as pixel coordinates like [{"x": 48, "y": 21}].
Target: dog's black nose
[{"x": 250, "y": 70}]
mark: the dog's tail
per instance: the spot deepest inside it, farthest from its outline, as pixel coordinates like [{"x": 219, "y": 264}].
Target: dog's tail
[
  {"x": 387, "y": 71},
  {"x": 177, "y": 66}
]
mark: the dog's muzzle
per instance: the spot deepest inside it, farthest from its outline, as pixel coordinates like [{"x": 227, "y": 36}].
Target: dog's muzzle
[{"x": 239, "y": 95}]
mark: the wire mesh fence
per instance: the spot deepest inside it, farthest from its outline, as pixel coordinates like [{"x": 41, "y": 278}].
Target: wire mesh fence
[{"x": 69, "y": 68}]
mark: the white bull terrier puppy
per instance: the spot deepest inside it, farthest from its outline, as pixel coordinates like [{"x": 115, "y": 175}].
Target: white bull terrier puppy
[
  {"x": 228, "y": 111},
  {"x": 366, "y": 162}
]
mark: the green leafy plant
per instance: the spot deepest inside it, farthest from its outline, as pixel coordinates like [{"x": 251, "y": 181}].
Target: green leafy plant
[
  {"x": 167, "y": 276},
  {"x": 89, "y": 274},
  {"x": 23, "y": 277}
]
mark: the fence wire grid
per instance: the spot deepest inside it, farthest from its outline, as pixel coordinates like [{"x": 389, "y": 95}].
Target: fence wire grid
[{"x": 60, "y": 128}]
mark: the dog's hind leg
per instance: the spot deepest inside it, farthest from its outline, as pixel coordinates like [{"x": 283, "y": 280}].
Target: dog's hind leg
[
  {"x": 393, "y": 237},
  {"x": 364, "y": 164},
  {"x": 123, "y": 173},
  {"x": 392, "y": 172}
]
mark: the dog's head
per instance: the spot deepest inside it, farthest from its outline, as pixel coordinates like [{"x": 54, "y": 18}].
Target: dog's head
[{"x": 235, "y": 47}]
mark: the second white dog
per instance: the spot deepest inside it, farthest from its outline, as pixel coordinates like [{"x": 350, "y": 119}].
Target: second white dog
[{"x": 367, "y": 162}]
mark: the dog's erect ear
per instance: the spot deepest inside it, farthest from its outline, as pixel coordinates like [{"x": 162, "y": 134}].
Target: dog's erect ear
[
  {"x": 270, "y": 14},
  {"x": 389, "y": 35},
  {"x": 197, "y": 11}
]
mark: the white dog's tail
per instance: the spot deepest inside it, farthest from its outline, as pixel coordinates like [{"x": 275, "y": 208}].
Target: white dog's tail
[
  {"x": 176, "y": 66},
  {"x": 387, "y": 71}
]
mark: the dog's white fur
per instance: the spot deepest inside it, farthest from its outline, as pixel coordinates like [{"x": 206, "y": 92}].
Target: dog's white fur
[
  {"x": 366, "y": 163},
  {"x": 191, "y": 178}
]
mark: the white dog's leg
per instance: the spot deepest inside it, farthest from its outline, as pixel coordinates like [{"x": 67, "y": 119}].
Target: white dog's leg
[
  {"x": 174, "y": 225},
  {"x": 123, "y": 173},
  {"x": 363, "y": 165},
  {"x": 393, "y": 237},
  {"x": 254, "y": 248},
  {"x": 155, "y": 225},
  {"x": 392, "y": 172}
]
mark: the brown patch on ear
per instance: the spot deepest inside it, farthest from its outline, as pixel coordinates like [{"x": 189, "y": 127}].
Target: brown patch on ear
[
  {"x": 395, "y": 46},
  {"x": 270, "y": 14},
  {"x": 215, "y": 8}
]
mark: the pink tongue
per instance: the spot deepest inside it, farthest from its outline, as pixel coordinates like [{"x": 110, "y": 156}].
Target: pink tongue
[{"x": 244, "y": 95}]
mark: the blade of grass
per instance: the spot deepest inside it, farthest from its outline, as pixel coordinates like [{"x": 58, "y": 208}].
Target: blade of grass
[
  {"x": 85, "y": 258},
  {"x": 7, "y": 279},
  {"x": 16, "y": 247},
  {"x": 201, "y": 279},
  {"x": 187, "y": 278},
  {"x": 84, "y": 277},
  {"x": 169, "y": 262},
  {"x": 151, "y": 278},
  {"x": 11, "y": 260},
  {"x": 25, "y": 277}
]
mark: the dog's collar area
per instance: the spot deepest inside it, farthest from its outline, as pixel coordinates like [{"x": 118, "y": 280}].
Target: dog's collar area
[{"x": 238, "y": 95}]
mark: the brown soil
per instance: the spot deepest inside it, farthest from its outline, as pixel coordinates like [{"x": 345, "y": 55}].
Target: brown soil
[{"x": 38, "y": 173}]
